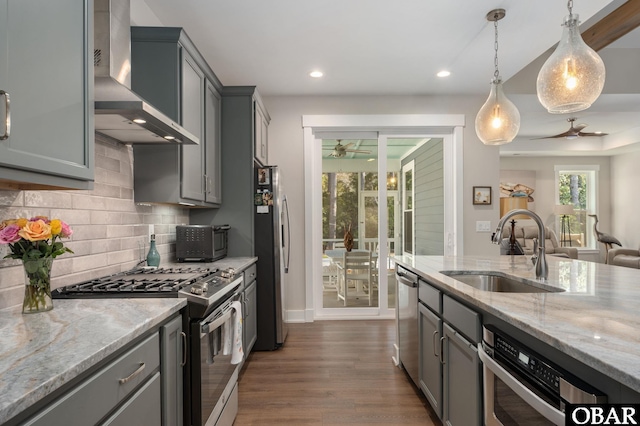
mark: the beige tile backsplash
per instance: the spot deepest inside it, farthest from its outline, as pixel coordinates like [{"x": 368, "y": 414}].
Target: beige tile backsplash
[{"x": 110, "y": 230}]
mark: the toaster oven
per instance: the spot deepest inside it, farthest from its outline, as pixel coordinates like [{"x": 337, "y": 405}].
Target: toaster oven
[{"x": 201, "y": 242}]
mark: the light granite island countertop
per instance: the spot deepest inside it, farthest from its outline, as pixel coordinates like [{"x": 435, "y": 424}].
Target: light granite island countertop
[
  {"x": 39, "y": 353},
  {"x": 595, "y": 320}
]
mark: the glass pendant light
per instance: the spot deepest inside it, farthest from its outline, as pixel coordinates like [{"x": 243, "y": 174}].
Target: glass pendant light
[
  {"x": 498, "y": 121},
  {"x": 573, "y": 76}
]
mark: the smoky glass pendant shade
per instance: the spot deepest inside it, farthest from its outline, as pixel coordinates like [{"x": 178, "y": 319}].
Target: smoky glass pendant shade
[
  {"x": 573, "y": 76},
  {"x": 498, "y": 121}
]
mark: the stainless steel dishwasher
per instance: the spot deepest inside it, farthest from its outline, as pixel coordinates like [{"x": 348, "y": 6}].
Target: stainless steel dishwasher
[{"x": 407, "y": 316}]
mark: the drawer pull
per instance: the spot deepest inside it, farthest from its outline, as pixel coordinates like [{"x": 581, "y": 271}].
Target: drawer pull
[
  {"x": 132, "y": 375},
  {"x": 184, "y": 349},
  {"x": 7, "y": 115}
]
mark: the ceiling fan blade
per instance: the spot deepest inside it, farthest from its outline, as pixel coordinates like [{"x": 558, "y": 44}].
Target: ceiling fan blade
[
  {"x": 559, "y": 135},
  {"x": 346, "y": 147},
  {"x": 579, "y": 127},
  {"x": 585, "y": 134},
  {"x": 358, "y": 151}
]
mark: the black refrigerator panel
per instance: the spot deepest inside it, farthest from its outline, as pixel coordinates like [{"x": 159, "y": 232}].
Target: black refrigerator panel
[{"x": 269, "y": 233}]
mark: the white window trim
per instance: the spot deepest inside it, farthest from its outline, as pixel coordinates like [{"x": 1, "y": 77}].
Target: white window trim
[
  {"x": 593, "y": 195},
  {"x": 410, "y": 166}
]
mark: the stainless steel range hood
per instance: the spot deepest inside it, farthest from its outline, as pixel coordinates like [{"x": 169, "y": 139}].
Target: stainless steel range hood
[{"x": 120, "y": 113}]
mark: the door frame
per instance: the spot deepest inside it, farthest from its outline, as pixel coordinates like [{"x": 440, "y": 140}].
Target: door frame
[{"x": 316, "y": 127}]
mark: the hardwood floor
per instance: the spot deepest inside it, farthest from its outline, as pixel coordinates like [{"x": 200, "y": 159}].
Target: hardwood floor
[{"x": 331, "y": 373}]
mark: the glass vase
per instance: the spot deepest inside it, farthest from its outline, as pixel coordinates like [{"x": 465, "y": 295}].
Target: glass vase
[{"x": 37, "y": 289}]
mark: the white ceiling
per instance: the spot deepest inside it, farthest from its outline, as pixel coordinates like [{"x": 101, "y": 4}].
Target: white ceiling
[{"x": 382, "y": 47}]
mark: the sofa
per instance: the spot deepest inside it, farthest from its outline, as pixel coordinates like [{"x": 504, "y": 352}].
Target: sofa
[
  {"x": 526, "y": 234},
  {"x": 624, "y": 257}
]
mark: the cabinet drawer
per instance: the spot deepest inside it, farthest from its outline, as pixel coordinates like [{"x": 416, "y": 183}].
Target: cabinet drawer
[
  {"x": 100, "y": 393},
  {"x": 462, "y": 318},
  {"x": 430, "y": 296},
  {"x": 250, "y": 274}
]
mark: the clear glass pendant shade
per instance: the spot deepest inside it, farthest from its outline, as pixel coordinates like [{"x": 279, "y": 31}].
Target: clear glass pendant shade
[
  {"x": 573, "y": 76},
  {"x": 498, "y": 121}
]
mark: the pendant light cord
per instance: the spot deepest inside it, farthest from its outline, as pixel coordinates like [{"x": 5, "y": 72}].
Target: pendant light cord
[
  {"x": 496, "y": 73},
  {"x": 570, "y": 8}
]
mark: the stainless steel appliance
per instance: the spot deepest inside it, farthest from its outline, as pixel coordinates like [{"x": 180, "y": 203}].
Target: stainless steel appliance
[
  {"x": 120, "y": 113},
  {"x": 201, "y": 242},
  {"x": 210, "y": 392},
  {"x": 272, "y": 245},
  {"x": 523, "y": 388},
  {"x": 407, "y": 319}
]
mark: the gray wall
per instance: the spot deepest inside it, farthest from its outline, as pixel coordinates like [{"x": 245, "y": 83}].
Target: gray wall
[
  {"x": 429, "y": 197},
  {"x": 625, "y": 204}
]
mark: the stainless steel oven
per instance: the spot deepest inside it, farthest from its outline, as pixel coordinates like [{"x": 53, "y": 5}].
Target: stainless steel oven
[
  {"x": 215, "y": 394},
  {"x": 523, "y": 388}
]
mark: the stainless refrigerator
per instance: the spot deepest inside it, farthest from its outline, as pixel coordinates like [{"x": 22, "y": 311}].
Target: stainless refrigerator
[{"x": 271, "y": 238}]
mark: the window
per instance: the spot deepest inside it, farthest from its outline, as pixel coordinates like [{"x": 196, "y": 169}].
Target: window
[
  {"x": 407, "y": 207},
  {"x": 577, "y": 186}
]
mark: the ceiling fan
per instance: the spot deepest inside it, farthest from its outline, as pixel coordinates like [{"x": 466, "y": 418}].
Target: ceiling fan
[
  {"x": 340, "y": 150},
  {"x": 573, "y": 132}
]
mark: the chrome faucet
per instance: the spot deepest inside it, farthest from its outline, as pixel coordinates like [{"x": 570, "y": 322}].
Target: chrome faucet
[{"x": 542, "y": 269}]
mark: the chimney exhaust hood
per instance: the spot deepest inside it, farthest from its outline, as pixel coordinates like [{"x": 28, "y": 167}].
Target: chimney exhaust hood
[{"x": 120, "y": 113}]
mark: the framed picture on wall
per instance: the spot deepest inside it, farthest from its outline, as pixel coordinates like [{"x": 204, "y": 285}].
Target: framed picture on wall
[{"x": 482, "y": 195}]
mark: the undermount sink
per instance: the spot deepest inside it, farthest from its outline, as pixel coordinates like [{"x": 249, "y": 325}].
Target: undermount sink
[{"x": 499, "y": 282}]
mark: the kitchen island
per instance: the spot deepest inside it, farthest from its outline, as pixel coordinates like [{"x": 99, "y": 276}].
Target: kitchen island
[
  {"x": 595, "y": 320},
  {"x": 43, "y": 353}
]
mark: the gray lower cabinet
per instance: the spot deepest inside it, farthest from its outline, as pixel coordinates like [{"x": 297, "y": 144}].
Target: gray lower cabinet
[
  {"x": 430, "y": 329},
  {"x": 170, "y": 73},
  {"x": 173, "y": 350},
  {"x": 250, "y": 317},
  {"x": 450, "y": 370},
  {"x": 47, "y": 136},
  {"x": 94, "y": 398},
  {"x": 141, "y": 386}
]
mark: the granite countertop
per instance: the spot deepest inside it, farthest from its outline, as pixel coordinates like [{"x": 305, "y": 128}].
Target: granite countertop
[
  {"x": 41, "y": 352},
  {"x": 596, "y": 319}
]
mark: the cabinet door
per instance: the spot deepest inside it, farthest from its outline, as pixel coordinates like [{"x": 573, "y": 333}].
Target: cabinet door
[
  {"x": 251, "y": 320},
  {"x": 191, "y": 117},
  {"x": 212, "y": 137},
  {"x": 44, "y": 61},
  {"x": 173, "y": 347},
  {"x": 260, "y": 134},
  {"x": 461, "y": 381},
  {"x": 430, "y": 365}
]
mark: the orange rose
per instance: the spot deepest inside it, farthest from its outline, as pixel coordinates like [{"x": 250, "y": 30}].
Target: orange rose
[
  {"x": 21, "y": 222},
  {"x": 35, "y": 231},
  {"x": 56, "y": 226}
]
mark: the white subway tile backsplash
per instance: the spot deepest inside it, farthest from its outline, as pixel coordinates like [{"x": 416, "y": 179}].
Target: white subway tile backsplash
[{"x": 110, "y": 230}]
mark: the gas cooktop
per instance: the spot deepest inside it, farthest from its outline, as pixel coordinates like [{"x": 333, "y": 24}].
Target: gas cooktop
[{"x": 139, "y": 282}]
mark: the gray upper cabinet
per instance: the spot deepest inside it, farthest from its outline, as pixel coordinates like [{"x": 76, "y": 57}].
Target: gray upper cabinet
[
  {"x": 212, "y": 123},
  {"x": 261, "y": 133},
  {"x": 46, "y": 79},
  {"x": 170, "y": 73}
]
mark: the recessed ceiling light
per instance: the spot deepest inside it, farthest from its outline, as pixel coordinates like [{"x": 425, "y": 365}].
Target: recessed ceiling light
[
  {"x": 139, "y": 120},
  {"x": 371, "y": 159},
  {"x": 316, "y": 74},
  {"x": 169, "y": 137},
  {"x": 444, "y": 73}
]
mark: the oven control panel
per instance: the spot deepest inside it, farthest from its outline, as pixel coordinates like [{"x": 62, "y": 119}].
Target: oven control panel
[{"x": 524, "y": 358}]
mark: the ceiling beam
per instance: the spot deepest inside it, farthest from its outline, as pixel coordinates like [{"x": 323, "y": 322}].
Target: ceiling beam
[{"x": 613, "y": 26}]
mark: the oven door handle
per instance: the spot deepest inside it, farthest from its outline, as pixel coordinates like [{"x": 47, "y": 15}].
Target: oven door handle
[
  {"x": 210, "y": 326},
  {"x": 537, "y": 403}
]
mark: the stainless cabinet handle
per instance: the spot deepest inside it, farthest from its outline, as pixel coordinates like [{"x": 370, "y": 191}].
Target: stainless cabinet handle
[
  {"x": 7, "y": 115},
  {"x": 132, "y": 375},
  {"x": 184, "y": 349},
  {"x": 442, "y": 350},
  {"x": 433, "y": 338}
]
